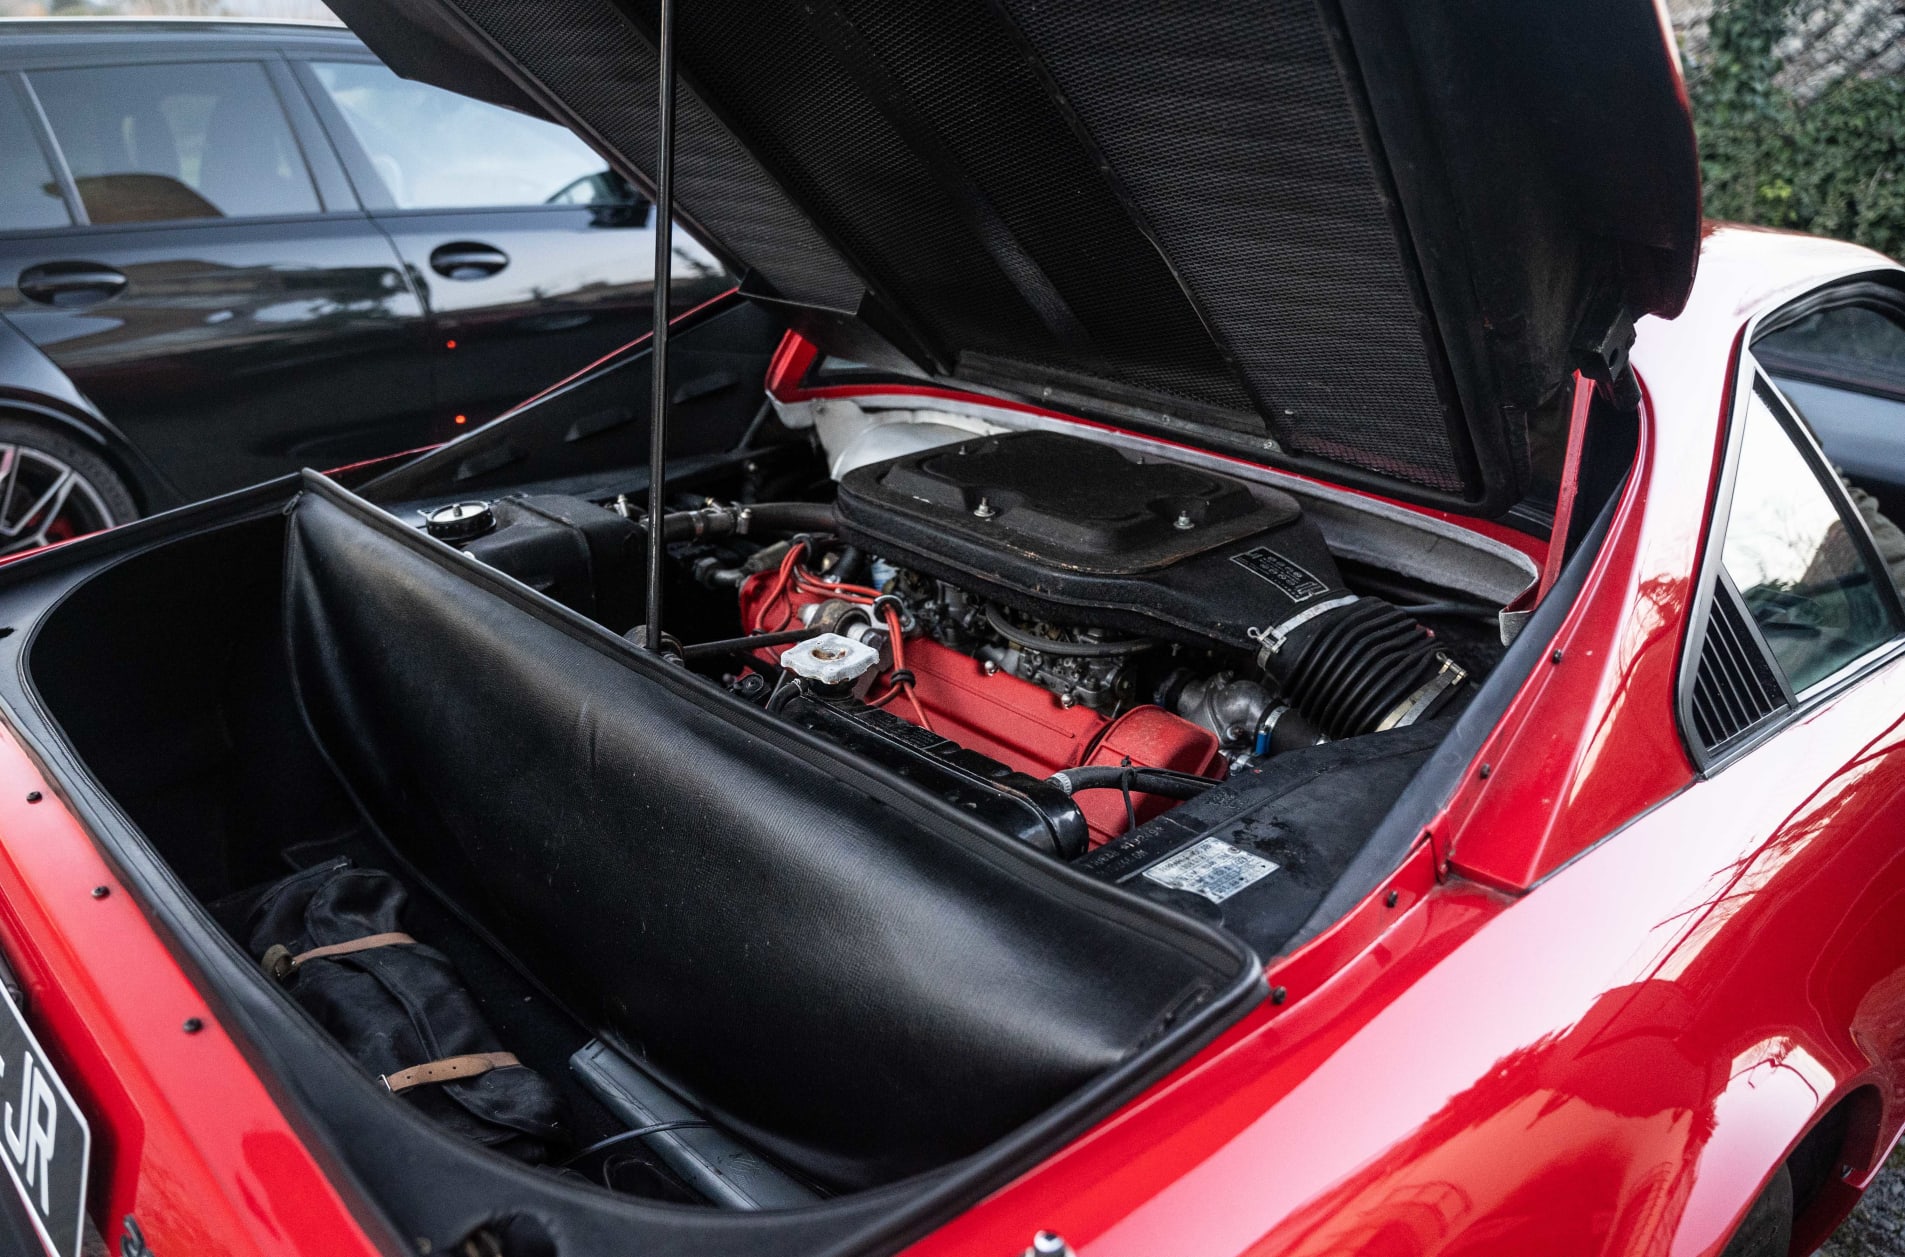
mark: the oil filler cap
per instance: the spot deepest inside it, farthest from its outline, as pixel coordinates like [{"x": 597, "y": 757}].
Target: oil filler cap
[
  {"x": 463, "y": 521},
  {"x": 830, "y": 659}
]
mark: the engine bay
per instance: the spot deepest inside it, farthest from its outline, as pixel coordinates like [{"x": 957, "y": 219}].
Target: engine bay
[
  {"x": 1066, "y": 640},
  {"x": 1110, "y": 724}
]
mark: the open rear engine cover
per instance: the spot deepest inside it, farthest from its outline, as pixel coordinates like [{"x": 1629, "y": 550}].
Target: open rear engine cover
[{"x": 1071, "y": 529}]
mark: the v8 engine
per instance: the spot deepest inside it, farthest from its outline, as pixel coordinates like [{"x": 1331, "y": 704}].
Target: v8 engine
[
  {"x": 1059, "y": 638},
  {"x": 1070, "y": 531}
]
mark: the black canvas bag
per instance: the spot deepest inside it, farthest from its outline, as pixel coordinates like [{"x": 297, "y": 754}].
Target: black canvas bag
[{"x": 333, "y": 935}]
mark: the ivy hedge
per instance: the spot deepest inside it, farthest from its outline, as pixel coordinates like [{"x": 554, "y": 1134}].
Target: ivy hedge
[{"x": 1830, "y": 165}]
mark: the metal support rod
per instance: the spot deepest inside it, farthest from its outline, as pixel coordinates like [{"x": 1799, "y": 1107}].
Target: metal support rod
[
  {"x": 742, "y": 645},
  {"x": 664, "y": 255}
]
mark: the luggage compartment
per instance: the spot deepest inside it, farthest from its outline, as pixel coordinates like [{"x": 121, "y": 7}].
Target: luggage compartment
[{"x": 801, "y": 966}]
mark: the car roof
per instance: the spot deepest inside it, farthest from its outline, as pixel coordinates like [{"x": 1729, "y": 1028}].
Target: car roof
[
  {"x": 1746, "y": 271},
  {"x": 82, "y": 32}
]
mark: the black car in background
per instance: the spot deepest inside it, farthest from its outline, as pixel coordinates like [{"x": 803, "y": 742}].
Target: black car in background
[{"x": 229, "y": 250}]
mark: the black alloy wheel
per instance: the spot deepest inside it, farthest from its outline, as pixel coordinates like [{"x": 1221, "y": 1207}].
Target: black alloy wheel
[{"x": 54, "y": 489}]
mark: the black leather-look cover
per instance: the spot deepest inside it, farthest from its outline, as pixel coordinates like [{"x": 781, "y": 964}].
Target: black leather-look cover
[{"x": 841, "y": 974}]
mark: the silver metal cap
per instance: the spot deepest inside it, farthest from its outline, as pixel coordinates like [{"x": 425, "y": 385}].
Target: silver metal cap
[{"x": 830, "y": 659}]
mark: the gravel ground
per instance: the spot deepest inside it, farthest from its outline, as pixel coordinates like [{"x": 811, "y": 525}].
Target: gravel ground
[{"x": 1877, "y": 1228}]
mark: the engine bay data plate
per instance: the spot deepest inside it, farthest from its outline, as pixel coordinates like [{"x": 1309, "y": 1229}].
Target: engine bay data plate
[{"x": 1211, "y": 868}]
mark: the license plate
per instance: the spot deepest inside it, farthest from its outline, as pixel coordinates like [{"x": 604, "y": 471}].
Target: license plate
[{"x": 44, "y": 1141}]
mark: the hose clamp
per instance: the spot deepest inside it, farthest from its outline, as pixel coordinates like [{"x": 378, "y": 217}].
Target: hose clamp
[
  {"x": 1267, "y": 727},
  {"x": 1272, "y": 639},
  {"x": 1411, "y": 709}
]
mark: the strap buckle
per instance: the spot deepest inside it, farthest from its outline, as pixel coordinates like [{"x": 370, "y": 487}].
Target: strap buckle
[{"x": 281, "y": 963}]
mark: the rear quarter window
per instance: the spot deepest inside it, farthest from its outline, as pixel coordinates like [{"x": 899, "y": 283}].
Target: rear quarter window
[
  {"x": 29, "y": 194},
  {"x": 149, "y": 143},
  {"x": 1798, "y": 557}
]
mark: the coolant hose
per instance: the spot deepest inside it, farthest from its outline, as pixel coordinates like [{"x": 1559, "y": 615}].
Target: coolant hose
[
  {"x": 765, "y": 517},
  {"x": 1159, "y": 781}
]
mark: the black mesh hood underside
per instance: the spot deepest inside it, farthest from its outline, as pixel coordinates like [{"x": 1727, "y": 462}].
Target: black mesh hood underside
[{"x": 1179, "y": 208}]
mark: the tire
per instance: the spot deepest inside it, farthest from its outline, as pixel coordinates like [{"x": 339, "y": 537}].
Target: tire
[
  {"x": 54, "y": 487},
  {"x": 1767, "y": 1229}
]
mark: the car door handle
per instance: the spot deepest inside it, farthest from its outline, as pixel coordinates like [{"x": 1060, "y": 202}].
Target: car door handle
[
  {"x": 70, "y": 284},
  {"x": 464, "y": 259}
]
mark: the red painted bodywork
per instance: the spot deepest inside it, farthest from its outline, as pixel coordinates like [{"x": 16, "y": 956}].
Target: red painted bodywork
[
  {"x": 186, "y": 1137},
  {"x": 1607, "y": 1000}
]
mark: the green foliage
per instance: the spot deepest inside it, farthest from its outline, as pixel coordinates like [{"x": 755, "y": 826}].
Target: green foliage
[
  {"x": 1852, "y": 141},
  {"x": 1830, "y": 165},
  {"x": 1745, "y": 123}
]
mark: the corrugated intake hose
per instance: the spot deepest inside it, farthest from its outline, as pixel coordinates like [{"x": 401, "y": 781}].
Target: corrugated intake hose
[{"x": 1366, "y": 667}]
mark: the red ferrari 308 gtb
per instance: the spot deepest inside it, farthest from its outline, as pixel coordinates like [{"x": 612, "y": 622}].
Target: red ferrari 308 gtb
[{"x": 1226, "y": 655}]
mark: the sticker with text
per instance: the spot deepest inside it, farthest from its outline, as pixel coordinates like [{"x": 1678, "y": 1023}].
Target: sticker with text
[{"x": 1212, "y": 868}]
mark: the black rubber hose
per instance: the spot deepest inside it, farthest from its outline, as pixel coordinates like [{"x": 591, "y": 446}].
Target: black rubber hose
[
  {"x": 1349, "y": 669},
  {"x": 1076, "y": 650},
  {"x": 1159, "y": 781},
  {"x": 765, "y": 517},
  {"x": 847, "y": 570}
]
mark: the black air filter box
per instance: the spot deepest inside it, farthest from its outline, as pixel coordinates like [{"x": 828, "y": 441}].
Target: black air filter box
[{"x": 1074, "y": 530}]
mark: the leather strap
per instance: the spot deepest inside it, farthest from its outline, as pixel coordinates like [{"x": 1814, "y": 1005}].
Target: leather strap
[
  {"x": 280, "y": 963},
  {"x": 449, "y": 1069}
]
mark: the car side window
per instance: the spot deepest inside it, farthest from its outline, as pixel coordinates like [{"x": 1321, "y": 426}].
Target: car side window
[
  {"x": 434, "y": 149},
  {"x": 1842, "y": 367},
  {"x": 150, "y": 143},
  {"x": 1848, "y": 345},
  {"x": 29, "y": 194},
  {"x": 1798, "y": 556}
]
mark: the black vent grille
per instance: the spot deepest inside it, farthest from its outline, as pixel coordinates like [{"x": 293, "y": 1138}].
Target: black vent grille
[
  {"x": 1080, "y": 194},
  {"x": 1735, "y": 688},
  {"x": 1235, "y": 137}
]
